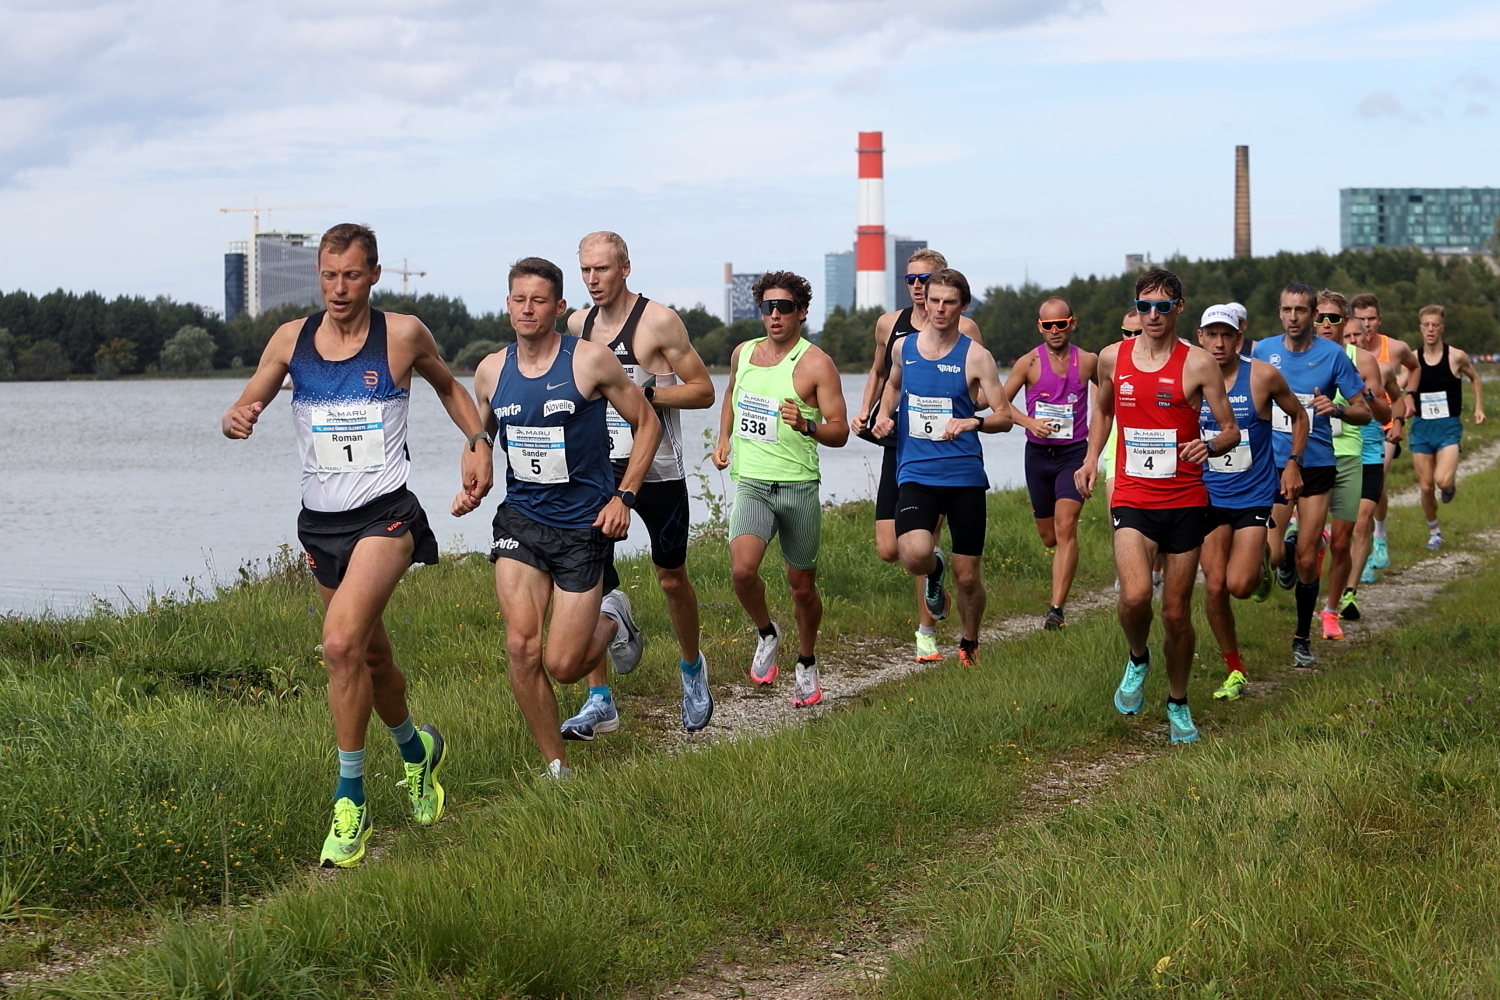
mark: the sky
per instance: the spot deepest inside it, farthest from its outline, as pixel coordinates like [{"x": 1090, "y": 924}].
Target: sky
[{"x": 1024, "y": 138}]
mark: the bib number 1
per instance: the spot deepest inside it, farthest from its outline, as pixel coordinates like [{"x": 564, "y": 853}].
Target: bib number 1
[
  {"x": 1281, "y": 421},
  {"x": 348, "y": 438}
]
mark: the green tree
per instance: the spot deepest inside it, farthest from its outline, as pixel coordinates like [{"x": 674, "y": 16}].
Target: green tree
[
  {"x": 7, "y": 355},
  {"x": 43, "y": 361},
  {"x": 699, "y": 321},
  {"x": 849, "y": 338},
  {"x": 191, "y": 349},
  {"x": 115, "y": 357},
  {"x": 474, "y": 352}
]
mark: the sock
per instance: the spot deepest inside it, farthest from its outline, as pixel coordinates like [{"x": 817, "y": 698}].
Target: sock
[
  {"x": 969, "y": 644},
  {"x": 602, "y": 691},
  {"x": 1432, "y": 526},
  {"x": 1232, "y": 661},
  {"x": 807, "y": 661},
  {"x": 1307, "y": 599},
  {"x": 691, "y": 668},
  {"x": 1054, "y": 607},
  {"x": 408, "y": 742},
  {"x": 1176, "y": 701},
  {"x": 1143, "y": 658},
  {"x": 768, "y": 631},
  {"x": 351, "y": 777},
  {"x": 927, "y": 629},
  {"x": 1380, "y": 529}
]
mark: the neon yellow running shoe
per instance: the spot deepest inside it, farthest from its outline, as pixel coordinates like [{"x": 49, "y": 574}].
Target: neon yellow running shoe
[
  {"x": 422, "y": 788},
  {"x": 1233, "y": 686},
  {"x": 1263, "y": 589},
  {"x": 347, "y": 837},
  {"x": 927, "y": 651}
]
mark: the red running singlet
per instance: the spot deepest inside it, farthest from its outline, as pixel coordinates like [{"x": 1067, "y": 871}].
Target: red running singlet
[{"x": 1154, "y": 417}]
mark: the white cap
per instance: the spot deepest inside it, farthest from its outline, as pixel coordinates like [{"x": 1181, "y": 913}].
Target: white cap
[
  {"x": 1220, "y": 314},
  {"x": 1238, "y": 310}
]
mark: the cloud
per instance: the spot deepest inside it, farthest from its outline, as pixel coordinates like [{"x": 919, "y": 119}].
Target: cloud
[{"x": 1382, "y": 104}]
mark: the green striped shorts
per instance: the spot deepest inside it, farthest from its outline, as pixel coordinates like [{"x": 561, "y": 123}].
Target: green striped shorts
[{"x": 762, "y": 509}]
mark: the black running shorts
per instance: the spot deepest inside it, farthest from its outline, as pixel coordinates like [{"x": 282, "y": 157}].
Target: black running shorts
[
  {"x": 663, "y": 509},
  {"x": 1238, "y": 517},
  {"x": 1374, "y": 482},
  {"x": 919, "y": 507},
  {"x": 1315, "y": 481},
  {"x": 574, "y": 557},
  {"x": 885, "y": 493},
  {"x": 328, "y": 537},
  {"x": 1173, "y": 529}
]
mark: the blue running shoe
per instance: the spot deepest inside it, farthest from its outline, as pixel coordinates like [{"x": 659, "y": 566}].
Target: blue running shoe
[
  {"x": 697, "y": 701},
  {"x": 597, "y": 717},
  {"x": 1180, "y": 718},
  {"x": 1380, "y": 555},
  {"x": 624, "y": 653},
  {"x": 1367, "y": 575},
  {"x": 1286, "y": 573},
  {"x": 1130, "y": 695},
  {"x": 936, "y": 595}
]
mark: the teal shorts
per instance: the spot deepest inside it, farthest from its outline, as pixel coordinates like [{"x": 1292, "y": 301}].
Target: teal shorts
[
  {"x": 1428, "y": 437},
  {"x": 792, "y": 510}
]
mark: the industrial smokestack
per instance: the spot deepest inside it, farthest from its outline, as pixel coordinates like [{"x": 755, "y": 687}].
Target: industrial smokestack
[
  {"x": 869, "y": 249},
  {"x": 1242, "y": 201}
]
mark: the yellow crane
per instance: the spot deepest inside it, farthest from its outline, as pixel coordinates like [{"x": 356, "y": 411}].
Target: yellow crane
[
  {"x": 256, "y": 208},
  {"x": 405, "y": 271}
]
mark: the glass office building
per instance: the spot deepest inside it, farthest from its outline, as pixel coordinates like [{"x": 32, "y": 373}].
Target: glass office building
[
  {"x": 838, "y": 282},
  {"x": 1437, "y": 220}
]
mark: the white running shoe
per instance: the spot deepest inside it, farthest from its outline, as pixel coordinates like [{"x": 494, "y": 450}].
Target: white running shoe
[
  {"x": 763, "y": 667},
  {"x": 807, "y": 690}
]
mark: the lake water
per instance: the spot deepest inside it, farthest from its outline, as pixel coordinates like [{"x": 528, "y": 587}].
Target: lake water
[{"x": 119, "y": 488}]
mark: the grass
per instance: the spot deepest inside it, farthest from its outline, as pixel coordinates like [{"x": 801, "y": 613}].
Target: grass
[{"x": 205, "y": 740}]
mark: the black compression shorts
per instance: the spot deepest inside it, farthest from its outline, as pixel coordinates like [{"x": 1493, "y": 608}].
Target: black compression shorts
[
  {"x": 663, "y": 509},
  {"x": 919, "y": 507},
  {"x": 1173, "y": 529}
]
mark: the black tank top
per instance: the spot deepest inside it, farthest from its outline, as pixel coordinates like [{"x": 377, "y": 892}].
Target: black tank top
[
  {"x": 1440, "y": 378},
  {"x": 899, "y": 329},
  {"x": 624, "y": 343}
]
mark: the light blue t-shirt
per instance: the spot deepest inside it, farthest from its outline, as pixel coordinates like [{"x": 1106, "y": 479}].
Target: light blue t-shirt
[{"x": 1322, "y": 368}]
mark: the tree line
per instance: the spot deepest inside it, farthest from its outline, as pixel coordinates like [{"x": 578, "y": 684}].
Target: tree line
[{"x": 62, "y": 334}]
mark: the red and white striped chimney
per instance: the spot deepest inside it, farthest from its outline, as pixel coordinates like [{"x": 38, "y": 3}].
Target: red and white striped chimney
[{"x": 869, "y": 250}]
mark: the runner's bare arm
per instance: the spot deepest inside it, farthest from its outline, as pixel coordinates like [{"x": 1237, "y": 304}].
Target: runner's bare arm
[
  {"x": 1102, "y": 420},
  {"x": 986, "y": 384},
  {"x": 476, "y": 464},
  {"x": 1200, "y": 372},
  {"x": 1373, "y": 396},
  {"x": 238, "y": 422},
  {"x": 885, "y": 413},
  {"x": 827, "y": 395},
  {"x": 1281, "y": 394},
  {"x": 486, "y": 375},
  {"x": 696, "y": 389},
  {"x": 597, "y": 370},
  {"x": 1393, "y": 391},
  {"x": 575, "y": 322},
  {"x": 883, "y": 327},
  {"x": 720, "y": 455},
  {"x": 1020, "y": 377},
  {"x": 1464, "y": 367}
]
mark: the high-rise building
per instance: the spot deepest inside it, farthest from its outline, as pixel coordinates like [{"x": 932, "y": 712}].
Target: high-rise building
[
  {"x": 273, "y": 269},
  {"x": 1437, "y": 220},
  {"x": 838, "y": 281},
  {"x": 739, "y": 301},
  {"x": 902, "y": 247}
]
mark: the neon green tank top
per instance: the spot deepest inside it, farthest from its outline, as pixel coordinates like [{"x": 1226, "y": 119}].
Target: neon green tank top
[
  {"x": 764, "y": 447},
  {"x": 1347, "y": 440}
]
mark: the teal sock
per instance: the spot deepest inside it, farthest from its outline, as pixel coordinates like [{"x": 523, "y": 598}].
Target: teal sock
[
  {"x": 409, "y": 742},
  {"x": 351, "y": 777},
  {"x": 691, "y": 668},
  {"x": 602, "y": 691}
]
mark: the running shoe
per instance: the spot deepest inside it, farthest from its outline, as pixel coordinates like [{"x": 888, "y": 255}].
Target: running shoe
[
  {"x": 1263, "y": 589},
  {"x": 968, "y": 656},
  {"x": 763, "y": 666},
  {"x": 1302, "y": 654},
  {"x": 1349, "y": 605},
  {"x": 1130, "y": 695},
  {"x": 1331, "y": 627},
  {"x": 1180, "y": 718},
  {"x": 1233, "y": 686},
  {"x": 624, "y": 651},
  {"x": 597, "y": 717},
  {"x": 1380, "y": 555},
  {"x": 1367, "y": 575},
  {"x": 927, "y": 651},
  {"x": 697, "y": 700},
  {"x": 937, "y": 595},
  {"x": 1286, "y": 573},
  {"x": 1447, "y": 495},
  {"x": 351, "y": 829},
  {"x": 806, "y": 692},
  {"x": 422, "y": 789},
  {"x": 557, "y": 770},
  {"x": 1435, "y": 539},
  {"x": 1054, "y": 620}
]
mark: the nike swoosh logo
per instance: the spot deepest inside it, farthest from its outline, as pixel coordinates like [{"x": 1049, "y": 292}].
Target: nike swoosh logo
[
  {"x": 912, "y": 361},
  {"x": 559, "y": 385},
  {"x": 1257, "y": 518},
  {"x": 1117, "y": 521}
]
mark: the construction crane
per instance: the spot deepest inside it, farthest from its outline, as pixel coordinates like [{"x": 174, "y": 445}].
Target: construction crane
[
  {"x": 405, "y": 272},
  {"x": 256, "y": 208}
]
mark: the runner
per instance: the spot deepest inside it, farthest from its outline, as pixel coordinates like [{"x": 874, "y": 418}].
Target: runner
[
  {"x": 888, "y": 330},
  {"x": 361, "y": 527},
  {"x": 1437, "y": 429},
  {"x": 1242, "y": 484},
  {"x": 784, "y": 399},
  {"x": 651, "y": 343},
  {"x": 1159, "y": 501},
  {"x": 1313, "y": 367},
  {"x": 1400, "y": 361},
  {"x": 545, "y": 398},
  {"x": 1332, "y": 323},
  {"x": 929, "y": 402},
  {"x": 1056, "y": 376}
]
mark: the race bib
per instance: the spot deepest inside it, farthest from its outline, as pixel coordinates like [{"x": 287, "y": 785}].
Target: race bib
[
  {"x": 1434, "y": 405},
  {"x": 1236, "y": 459},
  {"x": 1150, "y": 452},
  {"x": 621, "y": 434},
  {"x": 348, "y": 438},
  {"x": 756, "y": 418},
  {"x": 537, "y": 454},
  {"x": 1336, "y": 426},
  {"x": 927, "y": 416},
  {"x": 1281, "y": 421},
  {"x": 1061, "y": 413}
]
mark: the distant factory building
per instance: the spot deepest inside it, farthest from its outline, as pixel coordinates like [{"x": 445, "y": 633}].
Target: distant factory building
[
  {"x": 270, "y": 270},
  {"x": 739, "y": 301},
  {"x": 1437, "y": 220},
  {"x": 838, "y": 282}
]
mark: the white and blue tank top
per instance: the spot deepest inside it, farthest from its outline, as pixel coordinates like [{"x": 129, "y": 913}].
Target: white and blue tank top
[
  {"x": 350, "y": 419},
  {"x": 555, "y": 441},
  {"x": 1245, "y": 475},
  {"x": 933, "y": 393}
]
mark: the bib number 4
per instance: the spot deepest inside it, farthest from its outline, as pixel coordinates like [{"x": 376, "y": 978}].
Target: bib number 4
[{"x": 1150, "y": 452}]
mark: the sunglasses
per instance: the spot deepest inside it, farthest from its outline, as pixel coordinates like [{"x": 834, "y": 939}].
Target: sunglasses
[
  {"x": 1328, "y": 319},
  {"x": 784, "y": 306},
  {"x": 1054, "y": 325},
  {"x": 1129, "y": 334},
  {"x": 912, "y": 279},
  {"x": 1144, "y": 306}
]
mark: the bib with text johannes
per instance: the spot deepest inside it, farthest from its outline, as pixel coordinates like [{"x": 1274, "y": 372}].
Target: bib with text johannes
[
  {"x": 1150, "y": 452},
  {"x": 349, "y": 438},
  {"x": 757, "y": 417},
  {"x": 537, "y": 454}
]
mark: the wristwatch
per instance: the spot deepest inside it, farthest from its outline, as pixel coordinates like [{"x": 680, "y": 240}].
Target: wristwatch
[
  {"x": 627, "y": 497},
  {"x": 1295, "y": 458},
  {"x": 1209, "y": 447},
  {"x": 1338, "y": 411},
  {"x": 649, "y": 391},
  {"x": 808, "y": 427}
]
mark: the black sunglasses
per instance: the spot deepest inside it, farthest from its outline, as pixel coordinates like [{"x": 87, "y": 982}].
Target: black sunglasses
[
  {"x": 1128, "y": 332},
  {"x": 912, "y": 279},
  {"x": 784, "y": 306},
  {"x": 1144, "y": 306}
]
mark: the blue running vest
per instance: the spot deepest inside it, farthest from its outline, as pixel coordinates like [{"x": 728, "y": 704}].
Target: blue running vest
[
  {"x": 556, "y": 443},
  {"x": 1244, "y": 476},
  {"x": 1322, "y": 368},
  {"x": 932, "y": 393}
]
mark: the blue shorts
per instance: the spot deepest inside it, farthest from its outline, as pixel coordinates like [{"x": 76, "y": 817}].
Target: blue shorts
[{"x": 1428, "y": 437}]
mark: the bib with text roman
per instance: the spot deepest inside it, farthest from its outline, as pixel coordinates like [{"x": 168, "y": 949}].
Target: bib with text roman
[
  {"x": 349, "y": 438},
  {"x": 1281, "y": 421}
]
